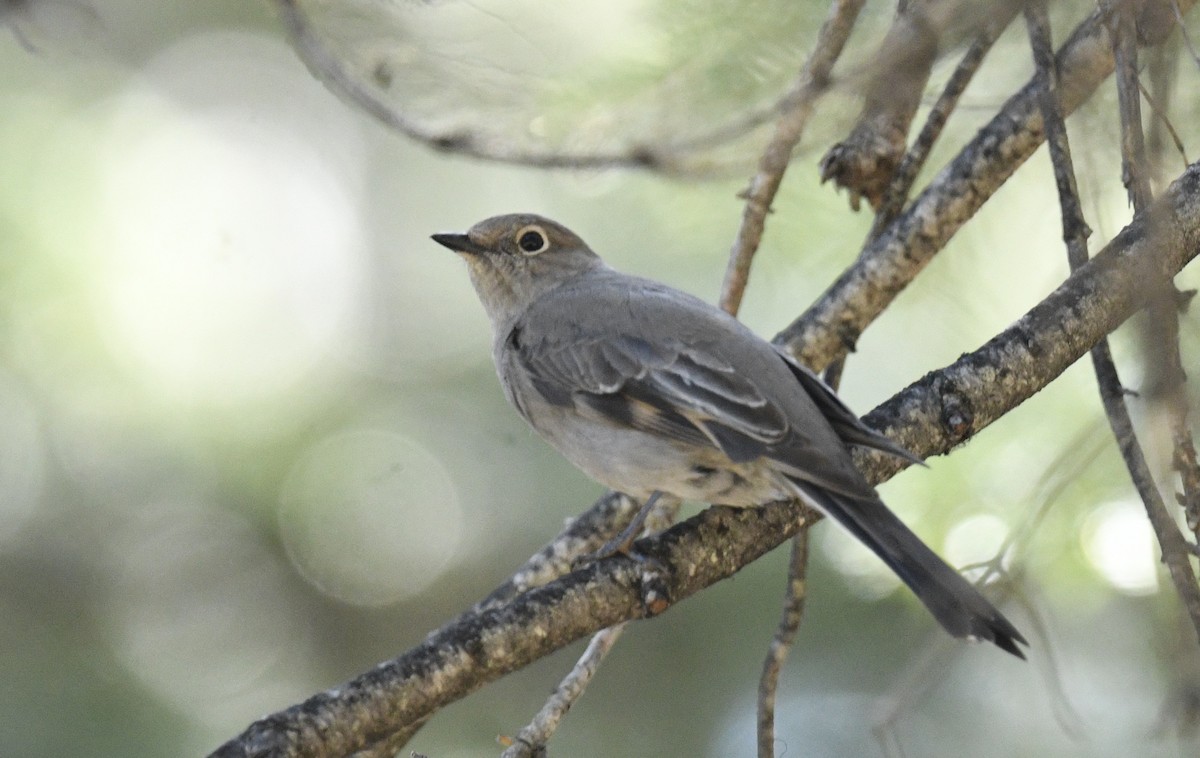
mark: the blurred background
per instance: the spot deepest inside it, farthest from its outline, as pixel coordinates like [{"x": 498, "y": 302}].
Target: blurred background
[{"x": 251, "y": 442}]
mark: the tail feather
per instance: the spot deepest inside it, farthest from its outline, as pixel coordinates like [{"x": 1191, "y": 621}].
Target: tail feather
[{"x": 952, "y": 600}]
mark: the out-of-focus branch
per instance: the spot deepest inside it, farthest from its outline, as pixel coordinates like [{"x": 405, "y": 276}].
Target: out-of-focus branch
[
  {"x": 864, "y": 162},
  {"x": 1162, "y": 334},
  {"x": 901, "y": 182},
  {"x": 669, "y": 157},
  {"x": 929, "y": 417},
  {"x": 813, "y": 80},
  {"x": 833, "y": 324}
]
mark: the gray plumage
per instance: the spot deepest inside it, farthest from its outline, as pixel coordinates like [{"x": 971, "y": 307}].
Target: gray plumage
[{"x": 649, "y": 389}]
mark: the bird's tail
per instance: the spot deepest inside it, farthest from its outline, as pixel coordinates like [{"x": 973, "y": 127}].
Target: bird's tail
[{"x": 952, "y": 600}]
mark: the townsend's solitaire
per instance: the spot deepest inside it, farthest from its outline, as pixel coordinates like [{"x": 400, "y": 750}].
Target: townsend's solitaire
[{"x": 650, "y": 390}]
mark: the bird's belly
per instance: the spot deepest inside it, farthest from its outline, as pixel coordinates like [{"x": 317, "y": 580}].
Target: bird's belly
[{"x": 637, "y": 464}]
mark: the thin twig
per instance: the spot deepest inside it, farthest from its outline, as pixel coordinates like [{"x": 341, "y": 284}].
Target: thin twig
[
  {"x": 1187, "y": 38},
  {"x": 914, "y": 160},
  {"x": 813, "y": 80},
  {"x": 531, "y": 740},
  {"x": 1075, "y": 230},
  {"x": 1161, "y": 117},
  {"x": 781, "y": 643}
]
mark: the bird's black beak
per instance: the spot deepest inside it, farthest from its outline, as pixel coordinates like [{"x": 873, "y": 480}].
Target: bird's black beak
[{"x": 459, "y": 243}]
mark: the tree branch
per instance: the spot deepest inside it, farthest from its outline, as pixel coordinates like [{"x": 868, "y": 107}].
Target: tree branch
[
  {"x": 898, "y": 189},
  {"x": 833, "y": 324},
  {"x": 864, "y": 162},
  {"x": 1162, "y": 332},
  {"x": 931, "y": 416}
]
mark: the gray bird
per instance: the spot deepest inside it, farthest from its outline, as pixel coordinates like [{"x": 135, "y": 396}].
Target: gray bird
[{"x": 650, "y": 390}]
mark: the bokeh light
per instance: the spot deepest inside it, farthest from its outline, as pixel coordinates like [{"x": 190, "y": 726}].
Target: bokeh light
[
  {"x": 198, "y": 610},
  {"x": 867, "y": 576},
  {"x": 228, "y": 246},
  {"x": 1119, "y": 544},
  {"x": 974, "y": 539},
  {"x": 370, "y": 516}
]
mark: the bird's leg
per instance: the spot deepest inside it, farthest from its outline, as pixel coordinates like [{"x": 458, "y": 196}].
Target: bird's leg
[{"x": 623, "y": 541}]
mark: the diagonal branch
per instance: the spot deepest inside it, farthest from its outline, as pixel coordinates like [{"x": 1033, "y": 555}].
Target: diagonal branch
[
  {"x": 898, "y": 189},
  {"x": 929, "y": 417}
]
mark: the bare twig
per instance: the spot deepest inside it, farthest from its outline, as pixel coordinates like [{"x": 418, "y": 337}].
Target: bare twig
[
  {"x": 532, "y": 739},
  {"x": 914, "y": 160},
  {"x": 781, "y": 643},
  {"x": 929, "y": 417},
  {"x": 1074, "y": 226},
  {"x": 833, "y": 324},
  {"x": 813, "y": 80},
  {"x": 1164, "y": 121}
]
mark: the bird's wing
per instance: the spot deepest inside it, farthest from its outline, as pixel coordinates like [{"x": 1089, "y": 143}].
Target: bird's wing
[
  {"x": 665, "y": 387},
  {"x": 641, "y": 355}
]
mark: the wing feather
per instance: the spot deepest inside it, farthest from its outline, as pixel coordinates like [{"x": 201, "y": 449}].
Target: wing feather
[{"x": 681, "y": 391}]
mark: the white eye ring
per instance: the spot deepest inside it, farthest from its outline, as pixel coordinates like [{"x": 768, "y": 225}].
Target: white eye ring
[{"x": 531, "y": 240}]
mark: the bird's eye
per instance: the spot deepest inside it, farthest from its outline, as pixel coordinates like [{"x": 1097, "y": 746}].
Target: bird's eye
[{"x": 532, "y": 240}]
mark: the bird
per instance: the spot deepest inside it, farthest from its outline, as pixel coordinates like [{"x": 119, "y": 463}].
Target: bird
[{"x": 650, "y": 390}]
